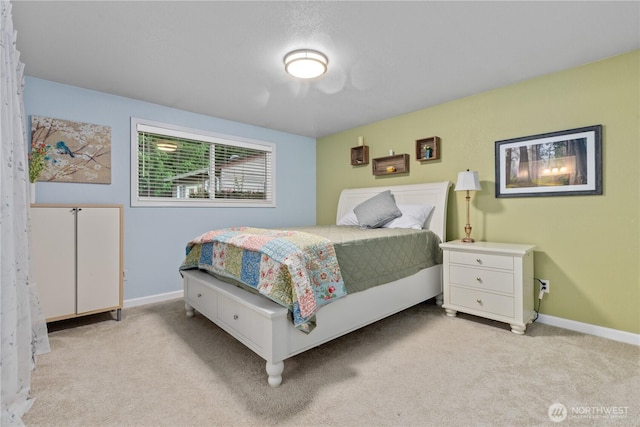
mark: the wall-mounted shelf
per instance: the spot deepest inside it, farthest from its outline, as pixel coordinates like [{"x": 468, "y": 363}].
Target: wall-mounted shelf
[
  {"x": 391, "y": 165},
  {"x": 428, "y": 149},
  {"x": 360, "y": 155}
]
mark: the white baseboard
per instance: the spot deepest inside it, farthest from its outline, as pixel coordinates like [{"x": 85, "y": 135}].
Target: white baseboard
[
  {"x": 135, "y": 302},
  {"x": 572, "y": 325},
  {"x": 586, "y": 328}
]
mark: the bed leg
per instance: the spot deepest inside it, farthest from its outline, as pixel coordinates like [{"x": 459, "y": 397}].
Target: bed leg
[
  {"x": 190, "y": 311},
  {"x": 439, "y": 300},
  {"x": 275, "y": 373}
]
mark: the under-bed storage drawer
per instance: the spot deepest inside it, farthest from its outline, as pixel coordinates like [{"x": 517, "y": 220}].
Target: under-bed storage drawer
[
  {"x": 201, "y": 296},
  {"x": 243, "y": 320}
]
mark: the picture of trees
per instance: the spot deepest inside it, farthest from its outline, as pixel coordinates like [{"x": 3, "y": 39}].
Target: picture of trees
[
  {"x": 547, "y": 164},
  {"x": 563, "y": 163}
]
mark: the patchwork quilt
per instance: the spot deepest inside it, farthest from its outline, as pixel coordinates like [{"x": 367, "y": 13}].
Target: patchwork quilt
[{"x": 297, "y": 270}]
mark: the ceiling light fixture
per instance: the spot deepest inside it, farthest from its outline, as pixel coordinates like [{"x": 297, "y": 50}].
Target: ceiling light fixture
[
  {"x": 167, "y": 146},
  {"x": 305, "y": 63}
]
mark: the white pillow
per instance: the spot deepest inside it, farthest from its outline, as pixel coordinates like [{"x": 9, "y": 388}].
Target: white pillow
[
  {"x": 413, "y": 216},
  {"x": 349, "y": 219}
]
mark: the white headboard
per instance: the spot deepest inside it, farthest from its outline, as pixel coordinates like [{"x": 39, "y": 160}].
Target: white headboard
[{"x": 434, "y": 193}]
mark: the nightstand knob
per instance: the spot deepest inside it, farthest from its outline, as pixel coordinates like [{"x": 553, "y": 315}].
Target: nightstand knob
[
  {"x": 479, "y": 301},
  {"x": 235, "y": 317},
  {"x": 478, "y": 260},
  {"x": 199, "y": 295},
  {"x": 479, "y": 279}
]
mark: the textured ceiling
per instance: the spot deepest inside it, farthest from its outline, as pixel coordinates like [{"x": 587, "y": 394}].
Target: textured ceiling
[{"x": 224, "y": 59}]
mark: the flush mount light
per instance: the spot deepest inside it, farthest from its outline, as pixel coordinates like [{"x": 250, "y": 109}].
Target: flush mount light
[
  {"x": 166, "y": 146},
  {"x": 305, "y": 63}
]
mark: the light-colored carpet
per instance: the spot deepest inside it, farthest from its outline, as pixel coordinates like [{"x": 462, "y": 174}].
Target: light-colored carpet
[{"x": 417, "y": 368}]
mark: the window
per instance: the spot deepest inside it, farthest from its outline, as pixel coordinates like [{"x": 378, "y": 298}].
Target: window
[{"x": 174, "y": 166}]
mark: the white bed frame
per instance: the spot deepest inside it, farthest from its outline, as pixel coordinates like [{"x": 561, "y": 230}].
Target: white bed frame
[{"x": 264, "y": 326}]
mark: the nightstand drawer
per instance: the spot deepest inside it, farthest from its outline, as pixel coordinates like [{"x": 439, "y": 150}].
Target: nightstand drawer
[
  {"x": 482, "y": 279},
  {"x": 482, "y": 260},
  {"x": 483, "y": 301}
]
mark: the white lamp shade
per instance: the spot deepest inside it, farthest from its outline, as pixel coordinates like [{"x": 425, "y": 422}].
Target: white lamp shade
[{"x": 468, "y": 180}]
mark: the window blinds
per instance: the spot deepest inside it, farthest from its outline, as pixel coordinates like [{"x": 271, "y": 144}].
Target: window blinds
[{"x": 181, "y": 166}]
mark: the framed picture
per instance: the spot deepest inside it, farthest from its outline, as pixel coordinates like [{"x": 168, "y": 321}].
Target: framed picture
[
  {"x": 75, "y": 151},
  {"x": 564, "y": 163}
]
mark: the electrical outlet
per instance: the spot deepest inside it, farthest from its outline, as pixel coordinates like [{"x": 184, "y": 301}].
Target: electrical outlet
[{"x": 545, "y": 285}]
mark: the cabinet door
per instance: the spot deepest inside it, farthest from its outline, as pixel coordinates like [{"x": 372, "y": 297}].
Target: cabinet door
[
  {"x": 53, "y": 260},
  {"x": 98, "y": 259}
]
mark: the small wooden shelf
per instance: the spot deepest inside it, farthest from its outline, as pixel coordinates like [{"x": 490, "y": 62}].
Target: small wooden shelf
[
  {"x": 391, "y": 165},
  {"x": 360, "y": 155},
  {"x": 433, "y": 143}
]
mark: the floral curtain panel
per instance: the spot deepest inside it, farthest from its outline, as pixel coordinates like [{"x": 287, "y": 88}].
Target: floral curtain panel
[{"x": 23, "y": 330}]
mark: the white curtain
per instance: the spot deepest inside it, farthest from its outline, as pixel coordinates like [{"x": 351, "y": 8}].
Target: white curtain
[{"x": 22, "y": 326}]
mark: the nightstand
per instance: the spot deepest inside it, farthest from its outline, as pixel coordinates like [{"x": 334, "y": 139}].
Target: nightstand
[{"x": 491, "y": 280}]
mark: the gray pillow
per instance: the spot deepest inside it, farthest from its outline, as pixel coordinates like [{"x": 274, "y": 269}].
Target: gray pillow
[{"x": 377, "y": 211}]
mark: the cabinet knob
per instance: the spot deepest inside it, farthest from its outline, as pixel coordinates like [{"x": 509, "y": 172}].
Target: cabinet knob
[
  {"x": 199, "y": 295},
  {"x": 479, "y": 279},
  {"x": 235, "y": 317},
  {"x": 479, "y": 301},
  {"x": 478, "y": 260}
]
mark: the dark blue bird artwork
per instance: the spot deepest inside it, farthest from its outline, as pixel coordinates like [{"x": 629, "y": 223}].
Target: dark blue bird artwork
[{"x": 62, "y": 148}]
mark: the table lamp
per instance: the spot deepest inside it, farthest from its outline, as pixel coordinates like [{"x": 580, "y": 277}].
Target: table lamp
[{"x": 468, "y": 181}]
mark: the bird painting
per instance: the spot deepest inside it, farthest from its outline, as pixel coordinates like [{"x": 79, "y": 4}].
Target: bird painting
[
  {"x": 80, "y": 152},
  {"x": 61, "y": 148}
]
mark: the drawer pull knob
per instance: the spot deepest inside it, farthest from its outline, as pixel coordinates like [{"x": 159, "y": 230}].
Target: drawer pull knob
[
  {"x": 199, "y": 295},
  {"x": 478, "y": 260},
  {"x": 479, "y": 279},
  {"x": 479, "y": 301},
  {"x": 235, "y": 317}
]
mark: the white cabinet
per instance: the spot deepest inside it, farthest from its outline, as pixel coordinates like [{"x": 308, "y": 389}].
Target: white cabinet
[
  {"x": 492, "y": 280},
  {"x": 76, "y": 259}
]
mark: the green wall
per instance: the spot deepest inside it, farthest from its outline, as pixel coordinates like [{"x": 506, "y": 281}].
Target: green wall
[{"x": 587, "y": 246}]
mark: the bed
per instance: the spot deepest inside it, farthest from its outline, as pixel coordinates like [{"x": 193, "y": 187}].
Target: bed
[{"x": 266, "y": 328}]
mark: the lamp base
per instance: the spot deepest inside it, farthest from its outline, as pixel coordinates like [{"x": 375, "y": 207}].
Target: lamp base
[{"x": 467, "y": 232}]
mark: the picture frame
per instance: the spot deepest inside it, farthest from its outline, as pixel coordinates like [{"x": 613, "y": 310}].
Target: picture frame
[
  {"x": 563, "y": 163},
  {"x": 76, "y": 152}
]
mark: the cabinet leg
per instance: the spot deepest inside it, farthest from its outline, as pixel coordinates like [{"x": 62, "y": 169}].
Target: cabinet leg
[
  {"x": 119, "y": 314},
  {"x": 275, "y": 373},
  {"x": 451, "y": 313},
  {"x": 518, "y": 329}
]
